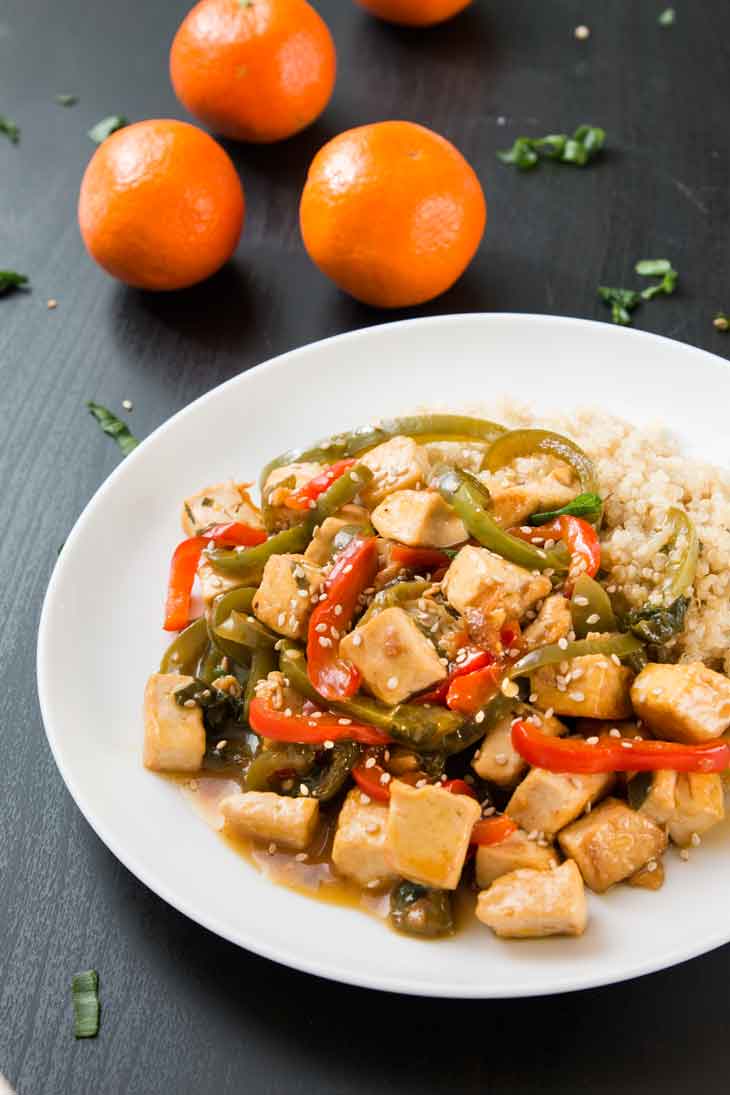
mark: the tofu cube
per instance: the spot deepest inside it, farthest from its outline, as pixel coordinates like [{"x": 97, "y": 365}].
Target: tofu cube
[
  {"x": 698, "y": 806},
  {"x": 398, "y": 464},
  {"x": 547, "y": 801},
  {"x": 513, "y": 854},
  {"x": 528, "y": 904},
  {"x": 497, "y": 759},
  {"x": 268, "y": 816},
  {"x": 394, "y": 658},
  {"x": 553, "y": 622},
  {"x": 660, "y": 799},
  {"x": 612, "y": 843},
  {"x": 428, "y": 833},
  {"x": 596, "y": 689},
  {"x": 174, "y": 736},
  {"x": 280, "y": 483},
  {"x": 360, "y": 849},
  {"x": 688, "y": 703},
  {"x": 219, "y": 505},
  {"x": 650, "y": 877},
  {"x": 487, "y": 590},
  {"x": 512, "y": 505},
  {"x": 419, "y": 518},
  {"x": 283, "y": 601},
  {"x": 213, "y": 582},
  {"x": 322, "y": 545}
]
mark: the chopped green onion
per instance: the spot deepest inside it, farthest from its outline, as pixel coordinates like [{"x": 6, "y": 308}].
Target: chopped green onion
[
  {"x": 66, "y": 100},
  {"x": 10, "y": 280},
  {"x": 579, "y": 149},
  {"x": 621, "y": 301},
  {"x": 584, "y": 505},
  {"x": 522, "y": 154},
  {"x": 85, "y": 992},
  {"x": 660, "y": 268},
  {"x": 9, "y": 129},
  {"x": 667, "y": 17},
  {"x": 114, "y": 427},
  {"x": 106, "y": 127}
]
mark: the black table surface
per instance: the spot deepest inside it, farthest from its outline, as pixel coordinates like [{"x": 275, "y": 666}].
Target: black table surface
[{"x": 184, "y": 1011}]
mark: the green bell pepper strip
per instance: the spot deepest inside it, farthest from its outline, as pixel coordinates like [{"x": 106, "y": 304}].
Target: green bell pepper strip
[
  {"x": 423, "y": 427},
  {"x": 392, "y": 596},
  {"x": 301, "y": 763},
  {"x": 263, "y": 661},
  {"x": 469, "y": 499},
  {"x": 420, "y": 910},
  {"x": 284, "y": 758},
  {"x": 238, "y": 600},
  {"x": 248, "y": 564},
  {"x": 423, "y": 728},
  {"x": 623, "y": 645},
  {"x": 598, "y": 604},
  {"x": 267, "y": 515},
  {"x": 209, "y": 665},
  {"x": 244, "y": 631},
  {"x": 184, "y": 652},
  {"x": 663, "y": 615},
  {"x": 680, "y": 574},
  {"x": 509, "y": 446}
]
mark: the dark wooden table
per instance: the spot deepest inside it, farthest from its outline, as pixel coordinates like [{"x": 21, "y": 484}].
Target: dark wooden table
[{"x": 185, "y": 1012}]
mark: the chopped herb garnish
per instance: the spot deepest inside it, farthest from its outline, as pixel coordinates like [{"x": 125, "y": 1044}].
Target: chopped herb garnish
[
  {"x": 579, "y": 149},
  {"x": 189, "y": 512},
  {"x": 584, "y": 505},
  {"x": 9, "y": 129},
  {"x": 66, "y": 100},
  {"x": 206, "y": 501},
  {"x": 621, "y": 301},
  {"x": 667, "y": 17},
  {"x": 721, "y": 322},
  {"x": 114, "y": 427},
  {"x": 657, "y": 268},
  {"x": 85, "y": 992},
  {"x": 10, "y": 280},
  {"x": 106, "y": 127}
]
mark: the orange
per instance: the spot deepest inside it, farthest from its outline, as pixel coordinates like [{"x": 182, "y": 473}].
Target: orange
[
  {"x": 161, "y": 205},
  {"x": 392, "y": 213},
  {"x": 253, "y": 70},
  {"x": 414, "y": 13}
]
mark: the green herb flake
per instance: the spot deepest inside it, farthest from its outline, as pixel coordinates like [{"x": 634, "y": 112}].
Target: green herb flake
[
  {"x": 621, "y": 302},
  {"x": 106, "y": 127},
  {"x": 721, "y": 322},
  {"x": 580, "y": 149},
  {"x": 9, "y": 129},
  {"x": 667, "y": 17},
  {"x": 657, "y": 268},
  {"x": 206, "y": 501},
  {"x": 66, "y": 100},
  {"x": 585, "y": 505},
  {"x": 85, "y": 993},
  {"x": 114, "y": 427},
  {"x": 10, "y": 280}
]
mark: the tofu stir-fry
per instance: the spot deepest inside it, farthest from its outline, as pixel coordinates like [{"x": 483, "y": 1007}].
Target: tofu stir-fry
[{"x": 411, "y": 665}]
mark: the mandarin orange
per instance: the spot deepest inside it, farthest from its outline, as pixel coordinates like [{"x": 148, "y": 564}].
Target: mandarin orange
[{"x": 414, "y": 13}]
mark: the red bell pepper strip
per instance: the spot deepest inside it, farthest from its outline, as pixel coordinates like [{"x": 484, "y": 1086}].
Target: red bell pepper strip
[
  {"x": 459, "y": 787},
  {"x": 468, "y": 694},
  {"x": 420, "y": 559},
  {"x": 306, "y": 496},
  {"x": 354, "y": 570},
  {"x": 579, "y": 537},
  {"x": 185, "y": 561},
  {"x": 272, "y": 723},
  {"x": 473, "y": 660},
  {"x": 616, "y": 755},
  {"x": 369, "y": 782},
  {"x": 492, "y": 830}
]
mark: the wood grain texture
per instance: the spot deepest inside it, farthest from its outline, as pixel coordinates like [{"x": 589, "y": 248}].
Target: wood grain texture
[{"x": 183, "y": 1011}]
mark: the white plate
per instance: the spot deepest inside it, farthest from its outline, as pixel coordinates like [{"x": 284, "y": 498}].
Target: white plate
[{"x": 100, "y": 637}]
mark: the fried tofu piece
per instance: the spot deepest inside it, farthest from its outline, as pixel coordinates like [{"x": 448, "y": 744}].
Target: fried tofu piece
[
  {"x": 698, "y": 806},
  {"x": 394, "y": 658},
  {"x": 650, "y": 877},
  {"x": 546, "y": 801},
  {"x": 513, "y": 504},
  {"x": 688, "y": 703},
  {"x": 323, "y": 544},
  {"x": 513, "y": 854},
  {"x": 283, "y": 601},
  {"x": 360, "y": 849},
  {"x": 659, "y": 803},
  {"x": 497, "y": 759},
  {"x": 419, "y": 518},
  {"x": 553, "y": 622},
  {"x": 280, "y": 483},
  {"x": 174, "y": 736},
  {"x": 428, "y": 833},
  {"x": 219, "y": 505},
  {"x": 214, "y": 582},
  {"x": 612, "y": 843},
  {"x": 487, "y": 590},
  {"x": 597, "y": 688},
  {"x": 528, "y": 904},
  {"x": 398, "y": 464},
  {"x": 268, "y": 816}
]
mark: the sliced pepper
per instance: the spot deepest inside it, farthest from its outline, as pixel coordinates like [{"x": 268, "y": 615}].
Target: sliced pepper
[
  {"x": 420, "y": 559},
  {"x": 186, "y": 650},
  {"x": 239, "y": 600},
  {"x": 579, "y": 537},
  {"x": 623, "y": 646},
  {"x": 459, "y": 787},
  {"x": 306, "y": 496},
  {"x": 492, "y": 830},
  {"x": 185, "y": 561},
  {"x": 370, "y": 781},
  {"x": 469, "y": 661},
  {"x": 353, "y": 571},
  {"x": 392, "y": 596},
  {"x": 590, "y": 602},
  {"x": 616, "y": 755},
  {"x": 263, "y": 662},
  {"x": 663, "y": 614},
  {"x": 274, "y": 724},
  {"x": 471, "y": 692},
  {"x": 516, "y": 443}
]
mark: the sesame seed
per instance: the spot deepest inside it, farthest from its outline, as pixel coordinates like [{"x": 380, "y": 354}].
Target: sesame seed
[
  {"x": 272, "y": 848},
  {"x": 563, "y": 644},
  {"x": 550, "y": 712},
  {"x": 323, "y": 641},
  {"x": 301, "y": 857},
  {"x": 582, "y": 32},
  {"x": 479, "y": 717},
  {"x": 488, "y": 810},
  {"x": 626, "y": 745},
  {"x": 303, "y": 790},
  {"x": 288, "y": 712},
  {"x": 392, "y": 682},
  {"x": 532, "y": 835},
  {"x": 615, "y": 659},
  {"x": 533, "y": 697},
  {"x": 193, "y": 784},
  {"x": 346, "y": 569},
  {"x": 372, "y": 828},
  {"x": 370, "y": 762},
  {"x": 127, "y": 404},
  {"x": 189, "y": 703},
  {"x": 320, "y": 628},
  {"x": 52, "y": 303},
  {"x": 338, "y": 610},
  {"x": 345, "y": 722},
  {"x": 364, "y": 799},
  {"x": 684, "y": 854},
  {"x": 695, "y": 840},
  {"x": 281, "y": 619},
  {"x": 356, "y": 639},
  {"x": 386, "y": 777},
  {"x": 577, "y": 697},
  {"x": 509, "y": 688},
  {"x": 329, "y": 744},
  {"x": 592, "y": 740},
  {"x": 501, "y": 758},
  {"x": 614, "y": 732},
  {"x": 652, "y": 865}
]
